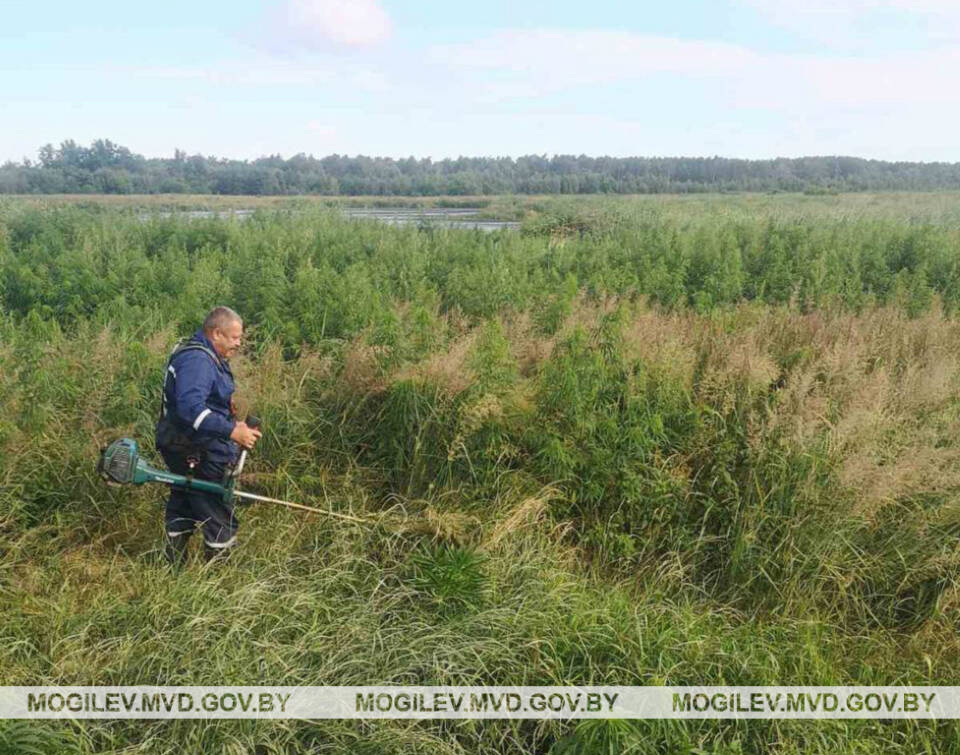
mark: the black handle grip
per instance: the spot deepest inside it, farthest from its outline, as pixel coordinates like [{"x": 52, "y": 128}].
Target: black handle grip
[{"x": 253, "y": 422}]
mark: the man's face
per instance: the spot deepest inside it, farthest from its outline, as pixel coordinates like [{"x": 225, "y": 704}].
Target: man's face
[{"x": 226, "y": 341}]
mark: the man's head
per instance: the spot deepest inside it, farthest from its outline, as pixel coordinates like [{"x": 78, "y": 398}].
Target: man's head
[{"x": 224, "y": 328}]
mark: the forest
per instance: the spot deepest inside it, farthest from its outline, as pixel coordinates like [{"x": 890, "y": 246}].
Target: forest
[{"x": 108, "y": 168}]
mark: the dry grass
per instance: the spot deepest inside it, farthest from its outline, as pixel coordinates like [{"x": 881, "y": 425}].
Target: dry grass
[
  {"x": 529, "y": 513},
  {"x": 450, "y": 526},
  {"x": 449, "y": 371},
  {"x": 362, "y": 374},
  {"x": 880, "y": 388}
]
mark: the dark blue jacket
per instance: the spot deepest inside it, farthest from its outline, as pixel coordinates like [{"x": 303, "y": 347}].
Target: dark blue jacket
[{"x": 196, "y": 399}]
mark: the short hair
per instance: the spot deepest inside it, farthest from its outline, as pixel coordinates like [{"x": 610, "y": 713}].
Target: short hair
[{"x": 220, "y": 317}]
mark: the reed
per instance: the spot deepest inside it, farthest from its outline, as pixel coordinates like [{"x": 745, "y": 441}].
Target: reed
[{"x": 610, "y": 484}]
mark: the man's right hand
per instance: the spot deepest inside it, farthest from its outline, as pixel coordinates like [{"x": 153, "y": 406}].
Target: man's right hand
[{"x": 244, "y": 435}]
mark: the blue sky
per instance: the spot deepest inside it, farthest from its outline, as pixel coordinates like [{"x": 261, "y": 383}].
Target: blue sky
[{"x": 739, "y": 78}]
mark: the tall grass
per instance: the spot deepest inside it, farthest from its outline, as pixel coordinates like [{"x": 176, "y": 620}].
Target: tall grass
[
  {"x": 309, "y": 276},
  {"x": 600, "y": 485}
]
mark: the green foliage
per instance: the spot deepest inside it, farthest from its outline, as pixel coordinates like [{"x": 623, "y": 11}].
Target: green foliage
[
  {"x": 105, "y": 167},
  {"x": 556, "y": 308},
  {"x": 39, "y": 738},
  {"x": 493, "y": 367},
  {"x": 314, "y": 276},
  {"x": 600, "y": 737},
  {"x": 408, "y": 434},
  {"x": 606, "y": 430},
  {"x": 637, "y": 477},
  {"x": 450, "y": 577}
]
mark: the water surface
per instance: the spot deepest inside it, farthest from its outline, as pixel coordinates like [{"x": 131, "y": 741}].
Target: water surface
[{"x": 437, "y": 217}]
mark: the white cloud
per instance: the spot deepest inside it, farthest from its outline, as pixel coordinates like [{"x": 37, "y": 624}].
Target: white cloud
[
  {"x": 934, "y": 7},
  {"x": 268, "y": 72},
  {"x": 533, "y": 63},
  {"x": 898, "y": 80},
  {"x": 526, "y": 64},
  {"x": 320, "y": 24},
  {"x": 321, "y": 129},
  {"x": 837, "y": 20},
  {"x": 559, "y": 58}
]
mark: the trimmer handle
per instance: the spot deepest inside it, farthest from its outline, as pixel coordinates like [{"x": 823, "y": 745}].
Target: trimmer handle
[{"x": 253, "y": 423}]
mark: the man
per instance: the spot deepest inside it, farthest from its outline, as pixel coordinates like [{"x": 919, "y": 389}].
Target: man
[{"x": 198, "y": 434}]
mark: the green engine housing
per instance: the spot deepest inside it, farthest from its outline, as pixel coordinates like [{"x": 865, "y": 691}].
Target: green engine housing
[{"x": 121, "y": 464}]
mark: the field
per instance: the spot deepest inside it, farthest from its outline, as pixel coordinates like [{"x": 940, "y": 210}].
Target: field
[{"x": 643, "y": 440}]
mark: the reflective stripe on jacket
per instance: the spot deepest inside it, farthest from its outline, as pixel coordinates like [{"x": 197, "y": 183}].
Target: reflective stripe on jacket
[{"x": 197, "y": 389}]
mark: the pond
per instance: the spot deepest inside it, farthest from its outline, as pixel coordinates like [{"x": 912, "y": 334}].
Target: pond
[{"x": 439, "y": 217}]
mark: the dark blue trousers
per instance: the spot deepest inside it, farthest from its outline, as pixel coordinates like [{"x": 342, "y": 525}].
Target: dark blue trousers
[{"x": 188, "y": 509}]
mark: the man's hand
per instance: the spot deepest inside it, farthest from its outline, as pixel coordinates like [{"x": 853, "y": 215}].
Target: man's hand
[{"x": 244, "y": 435}]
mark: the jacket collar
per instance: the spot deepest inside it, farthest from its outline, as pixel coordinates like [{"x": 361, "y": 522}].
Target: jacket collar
[{"x": 202, "y": 338}]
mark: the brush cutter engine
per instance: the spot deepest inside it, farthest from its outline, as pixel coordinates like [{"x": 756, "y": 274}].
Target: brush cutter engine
[
  {"x": 120, "y": 464},
  {"x": 119, "y": 461}
]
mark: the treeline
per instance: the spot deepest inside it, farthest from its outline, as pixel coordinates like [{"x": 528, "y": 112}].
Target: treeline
[{"x": 108, "y": 168}]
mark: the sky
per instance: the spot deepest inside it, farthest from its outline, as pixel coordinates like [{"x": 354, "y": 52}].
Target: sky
[{"x": 439, "y": 78}]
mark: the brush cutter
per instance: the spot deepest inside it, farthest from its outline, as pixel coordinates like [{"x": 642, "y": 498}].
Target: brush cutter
[{"x": 121, "y": 464}]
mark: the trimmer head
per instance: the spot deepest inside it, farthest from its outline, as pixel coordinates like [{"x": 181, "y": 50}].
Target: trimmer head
[{"x": 119, "y": 461}]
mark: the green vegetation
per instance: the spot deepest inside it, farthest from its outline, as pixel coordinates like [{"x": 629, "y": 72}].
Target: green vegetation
[
  {"x": 108, "y": 168},
  {"x": 640, "y": 442}
]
